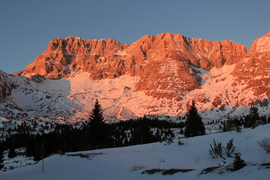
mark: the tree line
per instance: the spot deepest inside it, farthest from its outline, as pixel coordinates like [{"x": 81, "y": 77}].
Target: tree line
[
  {"x": 97, "y": 134},
  {"x": 94, "y": 134}
]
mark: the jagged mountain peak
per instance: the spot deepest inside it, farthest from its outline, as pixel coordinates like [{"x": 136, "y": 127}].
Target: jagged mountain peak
[
  {"x": 261, "y": 44},
  {"x": 159, "y": 74},
  {"x": 64, "y": 56},
  {"x": 253, "y": 71}
]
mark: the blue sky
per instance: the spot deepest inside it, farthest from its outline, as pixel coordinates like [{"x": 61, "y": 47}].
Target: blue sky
[{"x": 27, "y": 26}]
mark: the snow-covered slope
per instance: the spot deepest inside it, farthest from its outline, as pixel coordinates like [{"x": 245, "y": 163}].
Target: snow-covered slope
[
  {"x": 28, "y": 98},
  {"x": 73, "y": 97},
  {"x": 129, "y": 162}
]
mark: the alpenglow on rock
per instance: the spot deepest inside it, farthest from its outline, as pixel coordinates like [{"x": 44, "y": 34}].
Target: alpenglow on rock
[
  {"x": 155, "y": 75},
  {"x": 170, "y": 58}
]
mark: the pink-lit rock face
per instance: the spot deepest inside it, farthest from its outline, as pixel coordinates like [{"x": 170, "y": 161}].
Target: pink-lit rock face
[
  {"x": 254, "y": 70},
  {"x": 107, "y": 58},
  {"x": 262, "y": 44},
  {"x": 164, "y": 62},
  {"x": 159, "y": 74}
]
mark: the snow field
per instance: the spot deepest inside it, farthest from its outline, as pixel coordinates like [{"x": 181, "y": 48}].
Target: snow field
[{"x": 129, "y": 162}]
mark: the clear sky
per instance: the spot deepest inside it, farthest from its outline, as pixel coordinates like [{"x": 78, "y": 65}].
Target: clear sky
[{"x": 27, "y": 26}]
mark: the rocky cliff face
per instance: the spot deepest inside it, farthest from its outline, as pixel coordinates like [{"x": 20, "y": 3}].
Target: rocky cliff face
[
  {"x": 253, "y": 71},
  {"x": 166, "y": 63},
  {"x": 155, "y": 75},
  {"x": 72, "y": 54},
  {"x": 7, "y": 85}
]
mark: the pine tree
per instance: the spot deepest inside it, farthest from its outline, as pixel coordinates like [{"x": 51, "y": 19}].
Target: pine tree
[
  {"x": 96, "y": 116},
  {"x": 238, "y": 163},
  {"x": 252, "y": 117},
  {"x": 97, "y": 127},
  {"x": 194, "y": 124},
  {"x": 12, "y": 152}
]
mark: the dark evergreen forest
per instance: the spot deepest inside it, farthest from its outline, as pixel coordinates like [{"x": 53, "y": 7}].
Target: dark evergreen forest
[
  {"x": 66, "y": 138},
  {"x": 96, "y": 134}
]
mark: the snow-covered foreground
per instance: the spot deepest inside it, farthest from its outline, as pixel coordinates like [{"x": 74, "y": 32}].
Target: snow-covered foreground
[{"x": 129, "y": 162}]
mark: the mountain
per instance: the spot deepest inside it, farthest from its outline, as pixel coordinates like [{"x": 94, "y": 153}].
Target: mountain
[
  {"x": 170, "y": 58},
  {"x": 158, "y": 75}
]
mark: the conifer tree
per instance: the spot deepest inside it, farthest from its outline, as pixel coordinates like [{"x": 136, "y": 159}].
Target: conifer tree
[
  {"x": 238, "y": 163},
  {"x": 96, "y": 116},
  {"x": 97, "y": 127},
  {"x": 194, "y": 124},
  {"x": 12, "y": 152},
  {"x": 252, "y": 117}
]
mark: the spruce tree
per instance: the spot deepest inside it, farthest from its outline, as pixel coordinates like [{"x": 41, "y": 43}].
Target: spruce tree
[
  {"x": 238, "y": 163},
  {"x": 97, "y": 127},
  {"x": 12, "y": 152},
  {"x": 194, "y": 124},
  {"x": 252, "y": 117}
]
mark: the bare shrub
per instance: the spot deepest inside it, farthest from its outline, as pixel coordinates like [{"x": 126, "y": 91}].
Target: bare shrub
[
  {"x": 265, "y": 144},
  {"x": 229, "y": 149},
  {"x": 216, "y": 150}
]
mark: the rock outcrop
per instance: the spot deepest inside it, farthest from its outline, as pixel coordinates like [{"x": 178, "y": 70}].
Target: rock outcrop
[
  {"x": 254, "y": 70},
  {"x": 5, "y": 86}
]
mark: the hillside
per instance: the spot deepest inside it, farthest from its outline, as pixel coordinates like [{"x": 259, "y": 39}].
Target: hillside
[{"x": 130, "y": 162}]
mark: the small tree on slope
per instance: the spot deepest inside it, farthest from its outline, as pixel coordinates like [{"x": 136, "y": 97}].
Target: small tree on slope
[
  {"x": 11, "y": 153},
  {"x": 252, "y": 118},
  {"x": 238, "y": 162},
  {"x": 194, "y": 124},
  {"x": 97, "y": 127}
]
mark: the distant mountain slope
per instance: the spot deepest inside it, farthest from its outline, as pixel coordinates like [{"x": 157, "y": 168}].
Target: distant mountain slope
[{"x": 155, "y": 75}]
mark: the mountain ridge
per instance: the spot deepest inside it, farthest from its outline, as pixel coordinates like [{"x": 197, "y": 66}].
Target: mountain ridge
[
  {"x": 150, "y": 54},
  {"x": 166, "y": 72}
]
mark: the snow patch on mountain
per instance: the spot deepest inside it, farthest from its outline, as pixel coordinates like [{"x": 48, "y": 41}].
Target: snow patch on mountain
[
  {"x": 73, "y": 98},
  {"x": 118, "y": 97}
]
